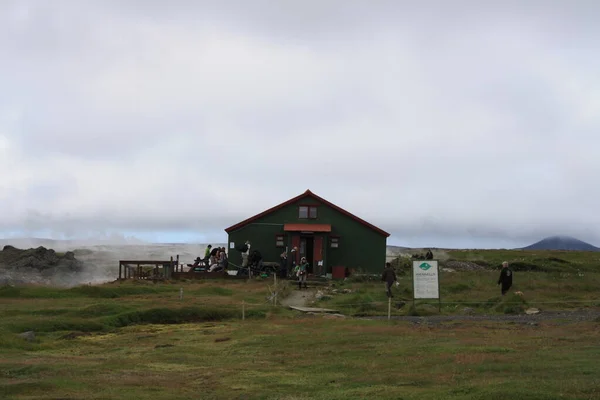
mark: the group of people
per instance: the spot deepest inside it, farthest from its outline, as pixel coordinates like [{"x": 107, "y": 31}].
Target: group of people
[
  {"x": 215, "y": 259},
  {"x": 389, "y": 277}
]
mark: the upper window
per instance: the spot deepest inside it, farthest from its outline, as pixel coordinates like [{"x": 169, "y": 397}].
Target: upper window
[{"x": 305, "y": 212}]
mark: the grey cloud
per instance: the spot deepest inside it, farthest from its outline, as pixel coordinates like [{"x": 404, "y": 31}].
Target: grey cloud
[{"x": 457, "y": 122}]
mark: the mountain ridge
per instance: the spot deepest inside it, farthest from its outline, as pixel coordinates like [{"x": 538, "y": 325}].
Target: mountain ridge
[{"x": 558, "y": 242}]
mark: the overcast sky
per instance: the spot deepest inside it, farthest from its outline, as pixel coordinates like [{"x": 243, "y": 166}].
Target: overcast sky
[{"x": 445, "y": 123}]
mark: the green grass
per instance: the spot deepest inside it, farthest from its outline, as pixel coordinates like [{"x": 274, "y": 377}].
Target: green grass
[
  {"x": 476, "y": 290},
  {"x": 139, "y": 340},
  {"x": 316, "y": 358}
]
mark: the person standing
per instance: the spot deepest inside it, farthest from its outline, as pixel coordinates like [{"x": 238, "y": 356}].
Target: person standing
[
  {"x": 429, "y": 255},
  {"x": 245, "y": 254},
  {"x": 283, "y": 264},
  {"x": 291, "y": 261},
  {"x": 223, "y": 260},
  {"x": 389, "y": 277},
  {"x": 207, "y": 254},
  {"x": 506, "y": 278},
  {"x": 301, "y": 272}
]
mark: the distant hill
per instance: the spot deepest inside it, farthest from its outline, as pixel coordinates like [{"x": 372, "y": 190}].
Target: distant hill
[{"x": 562, "y": 243}]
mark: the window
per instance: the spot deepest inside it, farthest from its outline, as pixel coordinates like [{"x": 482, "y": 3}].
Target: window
[
  {"x": 279, "y": 241},
  {"x": 335, "y": 242},
  {"x": 305, "y": 212}
]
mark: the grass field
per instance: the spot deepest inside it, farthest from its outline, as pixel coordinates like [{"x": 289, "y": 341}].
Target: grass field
[
  {"x": 534, "y": 260},
  {"x": 476, "y": 290},
  {"x": 140, "y": 341}
]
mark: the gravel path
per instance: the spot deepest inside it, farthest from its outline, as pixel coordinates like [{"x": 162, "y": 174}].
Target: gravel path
[{"x": 567, "y": 316}]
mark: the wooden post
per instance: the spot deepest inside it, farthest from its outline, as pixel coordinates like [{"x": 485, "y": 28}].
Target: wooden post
[
  {"x": 389, "y": 307},
  {"x": 120, "y": 267},
  {"x": 275, "y": 294},
  {"x": 243, "y": 310}
]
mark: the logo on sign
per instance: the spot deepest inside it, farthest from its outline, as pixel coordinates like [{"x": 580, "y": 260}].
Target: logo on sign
[{"x": 425, "y": 266}]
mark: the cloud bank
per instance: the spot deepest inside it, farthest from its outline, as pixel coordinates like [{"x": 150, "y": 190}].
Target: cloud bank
[{"x": 444, "y": 123}]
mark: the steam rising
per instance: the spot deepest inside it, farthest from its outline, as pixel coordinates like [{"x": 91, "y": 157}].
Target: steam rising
[{"x": 100, "y": 261}]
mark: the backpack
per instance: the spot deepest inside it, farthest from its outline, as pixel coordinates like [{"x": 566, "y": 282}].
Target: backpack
[
  {"x": 242, "y": 248},
  {"x": 254, "y": 257}
]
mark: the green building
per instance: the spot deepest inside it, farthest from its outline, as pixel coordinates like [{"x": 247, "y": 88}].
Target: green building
[{"x": 330, "y": 237}]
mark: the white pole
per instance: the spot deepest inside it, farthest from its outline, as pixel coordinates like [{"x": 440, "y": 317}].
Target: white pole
[{"x": 180, "y": 293}]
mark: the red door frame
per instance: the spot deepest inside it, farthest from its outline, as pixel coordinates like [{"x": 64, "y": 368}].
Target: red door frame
[{"x": 317, "y": 254}]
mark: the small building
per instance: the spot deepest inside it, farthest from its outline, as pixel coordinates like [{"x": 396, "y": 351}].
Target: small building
[{"x": 327, "y": 235}]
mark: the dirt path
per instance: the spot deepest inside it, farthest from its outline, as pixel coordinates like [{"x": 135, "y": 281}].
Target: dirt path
[{"x": 298, "y": 298}]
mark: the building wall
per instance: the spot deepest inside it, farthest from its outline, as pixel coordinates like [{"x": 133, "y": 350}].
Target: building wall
[{"x": 359, "y": 248}]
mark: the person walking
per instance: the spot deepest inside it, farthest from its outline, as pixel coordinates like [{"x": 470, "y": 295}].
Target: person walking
[
  {"x": 389, "y": 277},
  {"x": 506, "y": 278}
]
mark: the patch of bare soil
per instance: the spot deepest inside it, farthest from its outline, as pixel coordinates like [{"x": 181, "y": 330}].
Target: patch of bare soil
[{"x": 298, "y": 298}]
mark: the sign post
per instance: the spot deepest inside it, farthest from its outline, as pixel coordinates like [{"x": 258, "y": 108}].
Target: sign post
[{"x": 426, "y": 281}]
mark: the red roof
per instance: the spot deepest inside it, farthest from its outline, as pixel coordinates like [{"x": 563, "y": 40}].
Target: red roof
[
  {"x": 307, "y": 228},
  {"x": 295, "y": 199}
]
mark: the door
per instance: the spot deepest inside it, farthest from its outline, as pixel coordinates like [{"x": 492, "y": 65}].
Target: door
[
  {"x": 306, "y": 250},
  {"x": 318, "y": 256}
]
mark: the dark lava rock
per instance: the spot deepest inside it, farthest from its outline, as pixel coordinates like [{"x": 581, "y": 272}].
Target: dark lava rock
[{"x": 40, "y": 259}]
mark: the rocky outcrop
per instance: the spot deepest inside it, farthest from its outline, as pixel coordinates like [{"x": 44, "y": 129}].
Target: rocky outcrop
[
  {"x": 40, "y": 259},
  {"x": 37, "y": 266}
]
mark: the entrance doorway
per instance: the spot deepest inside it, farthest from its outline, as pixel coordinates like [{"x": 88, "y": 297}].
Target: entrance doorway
[
  {"x": 312, "y": 247},
  {"x": 306, "y": 249}
]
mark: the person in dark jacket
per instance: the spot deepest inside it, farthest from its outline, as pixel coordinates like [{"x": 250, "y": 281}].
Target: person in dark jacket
[
  {"x": 506, "y": 277},
  {"x": 429, "y": 255},
  {"x": 389, "y": 277},
  {"x": 291, "y": 261},
  {"x": 283, "y": 264}
]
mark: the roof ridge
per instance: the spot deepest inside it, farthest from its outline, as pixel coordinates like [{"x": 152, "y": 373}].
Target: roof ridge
[{"x": 294, "y": 199}]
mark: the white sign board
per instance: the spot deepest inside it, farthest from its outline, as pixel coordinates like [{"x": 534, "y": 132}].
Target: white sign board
[
  {"x": 232, "y": 245},
  {"x": 426, "y": 284}
]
